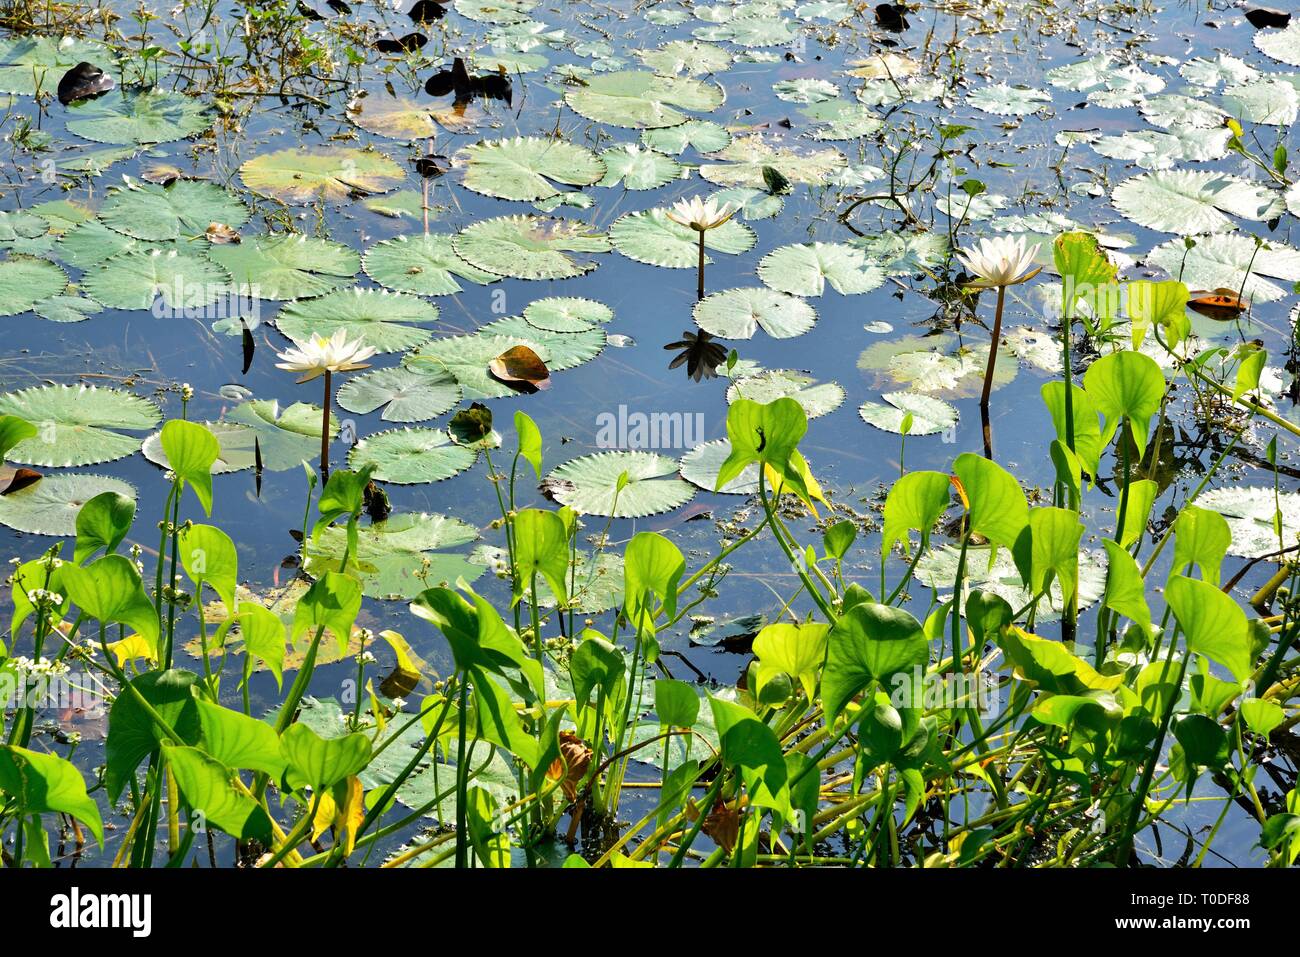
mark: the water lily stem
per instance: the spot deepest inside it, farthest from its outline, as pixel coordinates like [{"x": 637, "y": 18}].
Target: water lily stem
[
  {"x": 325, "y": 432},
  {"x": 699, "y": 292},
  {"x": 993, "y": 348}
]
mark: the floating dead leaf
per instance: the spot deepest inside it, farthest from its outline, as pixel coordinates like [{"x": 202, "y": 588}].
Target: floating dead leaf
[
  {"x": 83, "y": 82},
  {"x": 160, "y": 174},
  {"x": 722, "y": 824},
  {"x": 15, "y": 479},
  {"x": 1261, "y": 17},
  {"x": 570, "y": 768},
  {"x": 521, "y": 368},
  {"x": 220, "y": 234},
  {"x": 1222, "y": 304}
]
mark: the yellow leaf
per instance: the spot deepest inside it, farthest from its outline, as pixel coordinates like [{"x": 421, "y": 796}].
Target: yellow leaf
[{"x": 132, "y": 647}]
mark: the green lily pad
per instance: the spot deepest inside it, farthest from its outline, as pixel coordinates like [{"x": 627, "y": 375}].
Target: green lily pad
[
  {"x": 496, "y": 11},
  {"x": 412, "y": 456},
  {"x": 929, "y": 415},
  {"x": 589, "y": 485},
  {"x": 466, "y": 359},
  {"x": 75, "y": 423},
  {"x": 567, "y": 314},
  {"x": 405, "y": 119},
  {"x": 1189, "y": 203},
  {"x": 50, "y": 506},
  {"x": 404, "y": 393},
  {"x": 162, "y": 213},
  {"x": 804, "y": 269},
  {"x": 842, "y": 120},
  {"x": 67, "y": 308},
  {"x": 1003, "y": 100},
  {"x": 322, "y": 173},
  {"x": 560, "y": 350},
  {"x": 1249, "y": 513},
  {"x": 289, "y": 436},
  {"x": 1282, "y": 45},
  {"x": 133, "y": 280},
  {"x": 37, "y": 63},
  {"x": 1231, "y": 261},
  {"x": 638, "y": 168},
  {"x": 92, "y": 243},
  {"x": 529, "y": 247},
  {"x": 138, "y": 118},
  {"x": 703, "y": 136},
  {"x": 701, "y": 465},
  {"x": 25, "y": 281},
  {"x": 817, "y": 398},
  {"x": 287, "y": 266},
  {"x": 385, "y": 321},
  {"x": 643, "y": 100},
  {"x": 400, "y": 557},
  {"x": 424, "y": 265},
  {"x": 743, "y": 161},
  {"x": 686, "y": 56},
  {"x": 739, "y": 313},
  {"x": 936, "y": 365},
  {"x": 649, "y": 236},
  {"x": 526, "y": 167},
  {"x": 237, "y": 451}
]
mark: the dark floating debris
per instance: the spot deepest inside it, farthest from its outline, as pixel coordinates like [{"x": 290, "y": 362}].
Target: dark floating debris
[
  {"x": 431, "y": 166},
  {"x": 1261, "y": 17},
  {"x": 83, "y": 82},
  {"x": 426, "y": 11},
  {"x": 339, "y": 7},
  {"x": 407, "y": 44},
  {"x": 457, "y": 80},
  {"x": 307, "y": 13},
  {"x": 892, "y": 17}
]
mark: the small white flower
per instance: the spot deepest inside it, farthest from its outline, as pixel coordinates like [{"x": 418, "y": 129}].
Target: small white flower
[
  {"x": 320, "y": 355},
  {"x": 1001, "y": 261},
  {"x": 398, "y": 704},
  {"x": 701, "y": 214}
]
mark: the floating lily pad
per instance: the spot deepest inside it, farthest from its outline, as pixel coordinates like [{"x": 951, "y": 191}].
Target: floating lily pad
[
  {"x": 1249, "y": 512},
  {"x": 138, "y": 118},
  {"x": 425, "y": 265},
  {"x": 405, "y": 394},
  {"x": 405, "y": 202},
  {"x": 287, "y": 266},
  {"x": 643, "y": 100},
  {"x": 526, "y": 167},
  {"x": 938, "y": 365},
  {"x": 25, "y": 281},
  {"x": 236, "y": 442},
  {"x": 1282, "y": 45},
  {"x": 1003, "y": 100},
  {"x": 412, "y": 456},
  {"x": 997, "y": 574},
  {"x": 589, "y": 485},
  {"x": 638, "y": 168},
  {"x": 37, "y": 63},
  {"x": 67, "y": 308},
  {"x": 701, "y": 465},
  {"x": 842, "y": 120},
  {"x": 1273, "y": 101},
  {"x": 466, "y": 359},
  {"x": 805, "y": 90},
  {"x": 1221, "y": 261},
  {"x": 92, "y": 243},
  {"x": 50, "y": 506},
  {"x": 1158, "y": 150},
  {"x": 750, "y": 31},
  {"x": 686, "y": 56},
  {"x": 900, "y": 254},
  {"x": 1186, "y": 202},
  {"x": 287, "y": 436},
  {"x": 928, "y": 414},
  {"x": 739, "y": 313},
  {"x": 529, "y": 247},
  {"x": 133, "y": 280},
  {"x": 496, "y": 11},
  {"x": 703, "y": 136},
  {"x": 567, "y": 314},
  {"x": 561, "y": 350},
  {"x": 162, "y": 213},
  {"x": 743, "y": 161},
  {"x": 817, "y": 398},
  {"x": 754, "y": 203},
  {"x": 1175, "y": 112},
  {"x": 322, "y": 173},
  {"x": 405, "y": 119},
  {"x": 385, "y": 321},
  {"x": 75, "y": 423},
  {"x": 804, "y": 269},
  {"x": 651, "y": 237},
  {"x": 399, "y": 557}
]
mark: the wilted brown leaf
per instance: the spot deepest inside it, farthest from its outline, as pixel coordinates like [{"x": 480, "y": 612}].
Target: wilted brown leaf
[{"x": 521, "y": 367}]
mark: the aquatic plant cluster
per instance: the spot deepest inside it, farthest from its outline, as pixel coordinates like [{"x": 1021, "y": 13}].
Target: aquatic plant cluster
[{"x": 958, "y": 678}]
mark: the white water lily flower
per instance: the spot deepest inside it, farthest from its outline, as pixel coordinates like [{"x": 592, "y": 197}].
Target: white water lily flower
[
  {"x": 1002, "y": 261},
  {"x": 701, "y": 214},
  {"x": 320, "y": 355}
]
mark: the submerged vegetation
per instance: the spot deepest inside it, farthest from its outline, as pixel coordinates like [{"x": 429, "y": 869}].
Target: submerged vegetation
[{"x": 1074, "y": 647}]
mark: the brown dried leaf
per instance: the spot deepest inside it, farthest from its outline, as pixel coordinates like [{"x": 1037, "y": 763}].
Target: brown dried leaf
[{"x": 520, "y": 366}]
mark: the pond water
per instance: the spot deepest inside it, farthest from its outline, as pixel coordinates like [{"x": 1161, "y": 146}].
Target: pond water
[{"x": 1041, "y": 111}]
